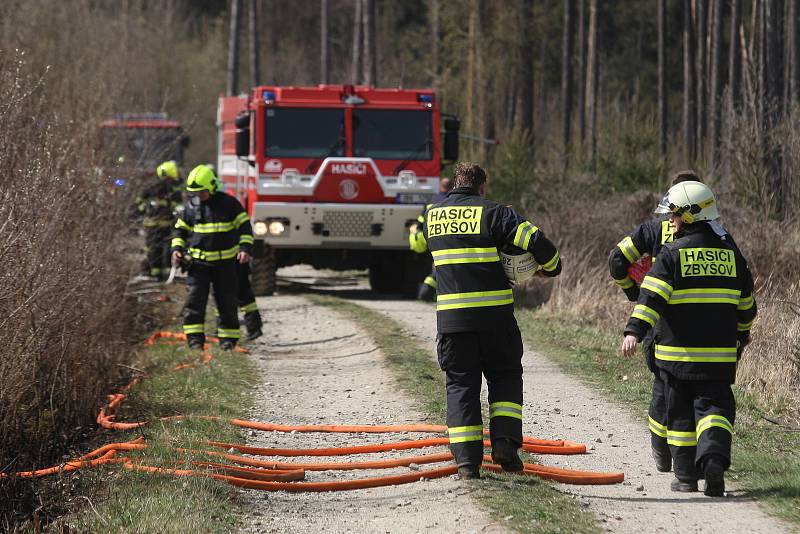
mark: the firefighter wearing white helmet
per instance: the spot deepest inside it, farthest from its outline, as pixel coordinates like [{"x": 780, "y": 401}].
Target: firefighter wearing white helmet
[
  {"x": 215, "y": 233},
  {"x": 475, "y": 315},
  {"x": 633, "y": 254},
  {"x": 699, "y": 299}
]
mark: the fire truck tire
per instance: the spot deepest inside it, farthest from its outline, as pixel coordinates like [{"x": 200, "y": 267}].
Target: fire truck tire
[
  {"x": 382, "y": 272},
  {"x": 415, "y": 268},
  {"x": 262, "y": 274}
]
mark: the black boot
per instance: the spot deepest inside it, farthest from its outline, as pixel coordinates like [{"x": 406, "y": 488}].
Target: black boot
[
  {"x": 683, "y": 486},
  {"x": 504, "y": 452},
  {"x": 663, "y": 459},
  {"x": 227, "y": 344},
  {"x": 715, "y": 477},
  {"x": 468, "y": 472},
  {"x": 255, "y": 334},
  {"x": 194, "y": 342}
]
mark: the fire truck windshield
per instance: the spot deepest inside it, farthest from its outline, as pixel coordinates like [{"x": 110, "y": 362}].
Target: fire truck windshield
[
  {"x": 304, "y": 132},
  {"x": 392, "y": 134}
]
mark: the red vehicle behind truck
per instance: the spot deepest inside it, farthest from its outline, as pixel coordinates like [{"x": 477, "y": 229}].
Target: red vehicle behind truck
[{"x": 334, "y": 175}]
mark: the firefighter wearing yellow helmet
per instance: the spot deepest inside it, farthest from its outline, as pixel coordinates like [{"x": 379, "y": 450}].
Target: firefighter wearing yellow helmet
[
  {"x": 209, "y": 239},
  {"x": 156, "y": 204},
  {"x": 699, "y": 299}
]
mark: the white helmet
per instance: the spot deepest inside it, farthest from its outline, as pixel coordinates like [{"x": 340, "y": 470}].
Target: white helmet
[
  {"x": 692, "y": 202},
  {"x": 663, "y": 205},
  {"x": 518, "y": 264}
]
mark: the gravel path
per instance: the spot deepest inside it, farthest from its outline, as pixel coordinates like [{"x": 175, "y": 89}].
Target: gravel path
[
  {"x": 320, "y": 368},
  {"x": 560, "y": 406}
]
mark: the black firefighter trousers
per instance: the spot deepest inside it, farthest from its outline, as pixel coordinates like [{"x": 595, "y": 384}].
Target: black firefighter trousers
[
  {"x": 700, "y": 418},
  {"x": 246, "y": 300},
  {"x": 657, "y": 413},
  {"x": 201, "y": 277},
  {"x": 463, "y": 356}
]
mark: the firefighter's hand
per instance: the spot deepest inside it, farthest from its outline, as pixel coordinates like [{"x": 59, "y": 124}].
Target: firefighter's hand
[
  {"x": 243, "y": 257},
  {"x": 414, "y": 228},
  {"x": 176, "y": 257},
  {"x": 629, "y": 346}
]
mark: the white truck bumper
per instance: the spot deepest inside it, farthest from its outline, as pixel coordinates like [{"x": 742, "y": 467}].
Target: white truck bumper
[{"x": 352, "y": 226}]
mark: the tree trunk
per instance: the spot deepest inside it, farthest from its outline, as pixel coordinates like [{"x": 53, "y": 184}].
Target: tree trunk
[
  {"x": 792, "y": 44},
  {"x": 355, "y": 75},
  {"x": 715, "y": 80},
  {"x": 370, "y": 59},
  {"x": 689, "y": 109},
  {"x": 734, "y": 61},
  {"x": 700, "y": 76},
  {"x": 472, "y": 67},
  {"x": 581, "y": 70},
  {"x": 662, "y": 94},
  {"x": 233, "y": 50},
  {"x": 255, "y": 64},
  {"x": 434, "y": 21},
  {"x": 591, "y": 81},
  {"x": 566, "y": 78},
  {"x": 525, "y": 78},
  {"x": 772, "y": 102},
  {"x": 324, "y": 61}
]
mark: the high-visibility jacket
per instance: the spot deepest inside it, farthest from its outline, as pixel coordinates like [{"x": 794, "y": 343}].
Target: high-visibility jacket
[
  {"x": 465, "y": 233},
  {"x": 158, "y": 201},
  {"x": 213, "y": 230},
  {"x": 647, "y": 238},
  {"x": 699, "y": 298}
]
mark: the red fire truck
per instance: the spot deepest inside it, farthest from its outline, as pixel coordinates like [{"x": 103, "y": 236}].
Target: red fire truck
[
  {"x": 334, "y": 175},
  {"x": 137, "y": 142}
]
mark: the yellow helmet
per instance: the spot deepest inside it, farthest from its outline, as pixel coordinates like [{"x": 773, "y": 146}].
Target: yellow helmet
[
  {"x": 168, "y": 169},
  {"x": 692, "y": 202},
  {"x": 202, "y": 179}
]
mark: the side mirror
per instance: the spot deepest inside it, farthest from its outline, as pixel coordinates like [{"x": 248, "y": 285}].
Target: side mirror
[
  {"x": 451, "y": 127},
  {"x": 242, "y": 123}
]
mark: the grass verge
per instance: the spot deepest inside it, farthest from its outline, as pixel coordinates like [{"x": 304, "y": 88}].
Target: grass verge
[
  {"x": 125, "y": 501},
  {"x": 530, "y": 504},
  {"x": 766, "y": 458}
]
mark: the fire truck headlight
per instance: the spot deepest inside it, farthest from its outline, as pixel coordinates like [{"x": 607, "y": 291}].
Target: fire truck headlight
[
  {"x": 260, "y": 228},
  {"x": 290, "y": 176},
  {"x": 277, "y": 228},
  {"x": 407, "y": 178}
]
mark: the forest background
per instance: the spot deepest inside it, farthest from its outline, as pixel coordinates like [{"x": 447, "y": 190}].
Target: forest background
[{"x": 593, "y": 105}]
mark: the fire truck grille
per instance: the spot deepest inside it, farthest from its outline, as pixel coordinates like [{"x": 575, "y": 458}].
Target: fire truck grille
[{"x": 347, "y": 223}]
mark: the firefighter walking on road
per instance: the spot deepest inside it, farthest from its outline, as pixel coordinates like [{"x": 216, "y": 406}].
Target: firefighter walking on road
[
  {"x": 212, "y": 236},
  {"x": 475, "y": 316},
  {"x": 699, "y": 299},
  {"x": 156, "y": 204},
  {"x": 648, "y": 239}
]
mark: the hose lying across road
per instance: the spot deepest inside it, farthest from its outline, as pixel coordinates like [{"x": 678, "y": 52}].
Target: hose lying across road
[{"x": 286, "y": 476}]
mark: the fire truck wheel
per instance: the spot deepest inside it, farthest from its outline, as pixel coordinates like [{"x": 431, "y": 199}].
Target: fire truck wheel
[
  {"x": 262, "y": 274},
  {"x": 415, "y": 268},
  {"x": 383, "y": 272}
]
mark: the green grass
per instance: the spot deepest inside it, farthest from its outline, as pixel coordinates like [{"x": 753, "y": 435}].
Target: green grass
[
  {"x": 526, "y": 504},
  {"x": 766, "y": 460},
  {"x": 126, "y": 501}
]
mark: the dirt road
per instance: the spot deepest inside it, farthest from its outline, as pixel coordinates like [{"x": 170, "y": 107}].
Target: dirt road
[{"x": 320, "y": 368}]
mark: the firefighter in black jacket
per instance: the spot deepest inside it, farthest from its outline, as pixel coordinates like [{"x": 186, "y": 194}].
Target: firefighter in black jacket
[
  {"x": 156, "y": 203},
  {"x": 475, "y": 316},
  {"x": 215, "y": 232},
  {"x": 648, "y": 238},
  {"x": 699, "y": 298}
]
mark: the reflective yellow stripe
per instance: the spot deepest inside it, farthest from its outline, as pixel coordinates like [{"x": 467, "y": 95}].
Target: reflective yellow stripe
[
  {"x": 240, "y": 219},
  {"x": 245, "y": 239},
  {"x": 505, "y": 409},
  {"x": 475, "y": 299},
  {"x": 681, "y": 439},
  {"x": 524, "y": 233},
  {"x": 213, "y": 228},
  {"x": 247, "y": 308},
  {"x": 180, "y": 223},
  {"x": 214, "y": 255},
  {"x": 193, "y": 329},
  {"x": 713, "y": 420},
  {"x": 656, "y": 428},
  {"x": 177, "y": 242},
  {"x": 629, "y": 250},
  {"x": 461, "y": 434},
  {"x": 229, "y": 333},
  {"x": 657, "y": 286},
  {"x": 452, "y": 256},
  {"x": 646, "y": 314},
  {"x": 706, "y": 295},
  {"x": 696, "y": 354},
  {"x": 744, "y": 327},
  {"x": 745, "y": 303},
  {"x": 553, "y": 263},
  {"x": 624, "y": 283}
]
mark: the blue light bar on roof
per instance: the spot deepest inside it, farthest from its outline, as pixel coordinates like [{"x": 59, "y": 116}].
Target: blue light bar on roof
[
  {"x": 425, "y": 98},
  {"x": 268, "y": 97}
]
